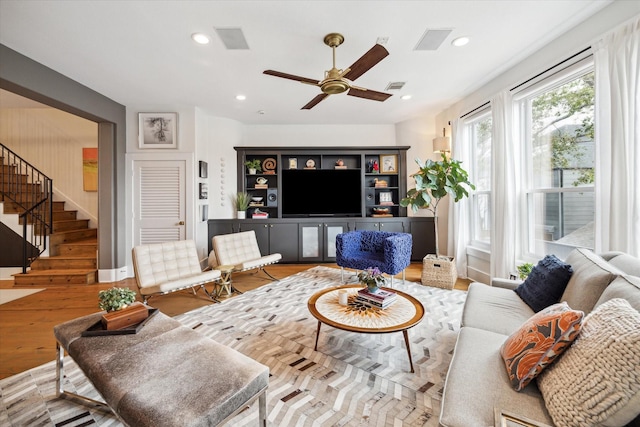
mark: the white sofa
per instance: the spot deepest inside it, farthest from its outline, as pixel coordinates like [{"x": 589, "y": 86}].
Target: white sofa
[
  {"x": 161, "y": 268},
  {"x": 241, "y": 251},
  {"x": 477, "y": 382}
]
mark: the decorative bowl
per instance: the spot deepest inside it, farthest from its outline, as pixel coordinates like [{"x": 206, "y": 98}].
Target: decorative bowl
[
  {"x": 381, "y": 210},
  {"x": 261, "y": 180},
  {"x": 256, "y": 199}
]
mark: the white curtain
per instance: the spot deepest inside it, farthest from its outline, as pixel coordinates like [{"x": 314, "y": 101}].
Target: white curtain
[
  {"x": 617, "y": 171},
  {"x": 458, "y": 231},
  {"x": 503, "y": 187}
]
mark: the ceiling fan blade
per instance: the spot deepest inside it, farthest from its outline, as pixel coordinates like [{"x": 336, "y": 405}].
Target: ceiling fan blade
[
  {"x": 315, "y": 101},
  {"x": 291, "y": 77},
  {"x": 376, "y": 54},
  {"x": 369, "y": 94}
]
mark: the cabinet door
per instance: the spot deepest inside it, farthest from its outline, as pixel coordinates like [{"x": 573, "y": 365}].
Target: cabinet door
[
  {"x": 331, "y": 230},
  {"x": 262, "y": 233},
  {"x": 311, "y": 242},
  {"x": 392, "y": 226},
  {"x": 283, "y": 239},
  {"x": 368, "y": 225}
]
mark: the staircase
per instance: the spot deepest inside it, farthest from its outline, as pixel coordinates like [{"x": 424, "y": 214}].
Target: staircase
[
  {"x": 72, "y": 256},
  {"x": 72, "y": 245}
]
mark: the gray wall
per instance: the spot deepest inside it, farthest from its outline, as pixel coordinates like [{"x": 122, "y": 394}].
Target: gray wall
[{"x": 33, "y": 80}]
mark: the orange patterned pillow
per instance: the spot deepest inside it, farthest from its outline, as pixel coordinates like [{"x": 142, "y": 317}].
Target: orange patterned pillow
[{"x": 539, "y": 341}]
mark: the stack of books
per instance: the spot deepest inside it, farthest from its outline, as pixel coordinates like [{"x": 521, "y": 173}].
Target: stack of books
[
  {"x": 258, "y": 214},
  {"x": 381, "y": 298}
]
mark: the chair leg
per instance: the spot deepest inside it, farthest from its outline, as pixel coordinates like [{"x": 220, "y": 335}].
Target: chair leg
[
  {"x": 404, "y": 277},
  {"x": 267, "y": 273},
  {"x": 342, "y": 275},
  {"x": 262, "y": 409}
]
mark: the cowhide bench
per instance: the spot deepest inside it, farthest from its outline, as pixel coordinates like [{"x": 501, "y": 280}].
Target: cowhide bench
[{"x": 165, "y": 375}]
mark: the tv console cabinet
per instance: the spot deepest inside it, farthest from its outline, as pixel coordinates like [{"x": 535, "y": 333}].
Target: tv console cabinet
[{"x": 303, "y": 240}]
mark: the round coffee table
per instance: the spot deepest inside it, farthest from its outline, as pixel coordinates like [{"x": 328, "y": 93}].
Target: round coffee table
[{"x": 404, "y": 313}]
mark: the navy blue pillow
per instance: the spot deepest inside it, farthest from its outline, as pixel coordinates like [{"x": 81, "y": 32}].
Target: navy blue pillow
[{"x": 545, "y": 284}]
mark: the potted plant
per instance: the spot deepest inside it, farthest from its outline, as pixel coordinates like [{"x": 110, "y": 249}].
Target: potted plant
[
  {"x": 122, "y": 309},
  {"x": 241, "y": 202},
  {"x": 115, "y": 299},
  {"x": 524, "y": 270},
  {"x": 253, "y": 166},
  {"x": 372, "y": 278}
]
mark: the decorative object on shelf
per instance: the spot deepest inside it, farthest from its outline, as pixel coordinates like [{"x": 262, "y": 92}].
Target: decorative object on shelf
[
  {"x": 203, "y": 169},
  {"x": 157, "y": 130},
  {"x": 372, "y": 278},
  {"x": 253, "y": 166},
  {"x": 261, "y": 182},
  {"x": 380, "y": 211},
  {"x": 386, "y": 198},
  {"x": 203, "y": 192},
  {"x": 310, "y": 164},
  {"x": 241, "y": 202},
  {"x": 435, "y": 180},
  {"x": 293, "y": 163},
  {"x": 340, "y": 164},
  {"x": 389, "y": 163},
  {"x": 380, "y": 183},
  {"x": 269, "y": 166},
  {"x": 375, "y": 168},
  {"x": 256, "y": 199},
  {"x": 258, "y": 214},
  {"x": 122, "y": 310}
]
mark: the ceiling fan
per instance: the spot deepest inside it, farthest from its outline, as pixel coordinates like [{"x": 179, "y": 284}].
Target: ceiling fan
[{"x": 338, "y": 81}]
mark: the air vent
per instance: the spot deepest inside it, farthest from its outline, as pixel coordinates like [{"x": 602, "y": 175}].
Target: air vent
[
  {"x": 395, "y": 86},
  {"x": 432, "y": 39},
  {"x": 233, "y": 38}
]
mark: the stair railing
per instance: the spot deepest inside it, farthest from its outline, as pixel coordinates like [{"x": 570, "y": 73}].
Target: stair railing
[{"x": 32, "y": 192}]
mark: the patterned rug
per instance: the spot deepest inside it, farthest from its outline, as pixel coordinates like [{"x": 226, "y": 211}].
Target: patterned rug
[{"x": 352, "y": 380}]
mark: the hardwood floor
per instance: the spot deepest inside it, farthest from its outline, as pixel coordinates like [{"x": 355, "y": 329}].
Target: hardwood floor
[{"x": 26, "y": 324}]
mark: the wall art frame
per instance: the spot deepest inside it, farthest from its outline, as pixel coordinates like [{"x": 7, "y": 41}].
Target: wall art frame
[
  {"x": 389, "y": 163},
  {"x": 158, "y": 130}
]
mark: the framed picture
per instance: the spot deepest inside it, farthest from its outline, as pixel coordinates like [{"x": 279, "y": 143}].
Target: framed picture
[
  {"x": 293, "y": 163},
  {"x": 158, "y": 130},
  {"x": 203, "y": 191},
  {"x": 389, "y": 163},
  {"x": 203, "y": 172},
  {"x": 205, "y": 212}
]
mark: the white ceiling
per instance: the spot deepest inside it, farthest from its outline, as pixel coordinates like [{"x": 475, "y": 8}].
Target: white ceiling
[{"x": 139, "y": 53}]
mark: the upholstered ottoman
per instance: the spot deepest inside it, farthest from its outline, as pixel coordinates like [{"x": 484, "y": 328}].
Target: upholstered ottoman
[{"x": 165, "y": 375}]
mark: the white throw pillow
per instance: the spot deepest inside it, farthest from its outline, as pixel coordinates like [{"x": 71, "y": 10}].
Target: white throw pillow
[{"x": 596, "y": 381}]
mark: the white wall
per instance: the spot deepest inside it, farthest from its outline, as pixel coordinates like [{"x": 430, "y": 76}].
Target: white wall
[
  {"x": 318, "y": 135},
  {"x": 52, "y": 141}
]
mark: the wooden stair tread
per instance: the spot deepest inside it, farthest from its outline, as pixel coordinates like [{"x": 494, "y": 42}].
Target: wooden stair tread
[{"x": 69, "y": 272}]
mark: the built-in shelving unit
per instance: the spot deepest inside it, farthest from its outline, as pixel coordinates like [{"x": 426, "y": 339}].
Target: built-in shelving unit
[{"x": 373, "y": 191}]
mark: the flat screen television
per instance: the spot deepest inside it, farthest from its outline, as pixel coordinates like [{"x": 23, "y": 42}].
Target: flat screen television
[{"x": 321, "y": 192}]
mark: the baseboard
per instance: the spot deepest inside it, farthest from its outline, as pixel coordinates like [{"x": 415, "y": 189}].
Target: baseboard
[{"x": 113, "y": 275}]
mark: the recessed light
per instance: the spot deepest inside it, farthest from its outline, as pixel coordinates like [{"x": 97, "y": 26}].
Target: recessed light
[
  {"x": 405, "y": 97},
  {"x": 460, "y": 41},
  {"x": 200, "y": 38},
  {"x": 241, "y": 97}
]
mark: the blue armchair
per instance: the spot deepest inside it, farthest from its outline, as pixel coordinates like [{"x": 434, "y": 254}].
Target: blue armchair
[{"x": 390, "y": 252}]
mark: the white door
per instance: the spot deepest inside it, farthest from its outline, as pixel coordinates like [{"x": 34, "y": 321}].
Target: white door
[{"x": 159, "y": 201}]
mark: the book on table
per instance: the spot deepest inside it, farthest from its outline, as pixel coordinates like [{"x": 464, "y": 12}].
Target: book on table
[{"x": 381, "y": 298}]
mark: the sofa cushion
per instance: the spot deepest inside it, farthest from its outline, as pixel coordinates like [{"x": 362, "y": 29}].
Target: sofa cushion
[
  {"x": 494, "y": 309},
  {"x": 545, "y": 284},
  {"x": 597, "y": 380},
  {"x": 477, "y": 383},
  {"x": 591, "y": 275},
  {"x": 626, "y": 263},
  {"x": 626, "y": 287},
  {"x": 539, "y": 341}
]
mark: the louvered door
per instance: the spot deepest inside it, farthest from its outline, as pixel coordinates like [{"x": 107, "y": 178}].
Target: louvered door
[{"x": 159, "y": 201}]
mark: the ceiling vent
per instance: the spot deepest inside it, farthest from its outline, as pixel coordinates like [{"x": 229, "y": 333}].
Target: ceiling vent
[
  {"x": 432, "y": 39},
  {"x": 233, "y": 38},
  {"x": 395, "y": 85}
]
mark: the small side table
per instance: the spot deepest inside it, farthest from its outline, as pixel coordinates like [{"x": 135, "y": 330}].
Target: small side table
[{"x": 225, "y": 285}]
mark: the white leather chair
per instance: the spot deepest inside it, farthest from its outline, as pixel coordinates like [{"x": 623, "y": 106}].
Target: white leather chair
[
  {"x": 241, "y": 251},
  {"x": 161, "y": 268}
]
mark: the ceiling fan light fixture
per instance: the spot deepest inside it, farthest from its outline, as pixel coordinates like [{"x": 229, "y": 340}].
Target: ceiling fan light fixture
[{"x": 334, "y": 87}]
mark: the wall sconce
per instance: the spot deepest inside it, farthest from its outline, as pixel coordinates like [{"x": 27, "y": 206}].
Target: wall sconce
[{"x": 442, "y": 144}]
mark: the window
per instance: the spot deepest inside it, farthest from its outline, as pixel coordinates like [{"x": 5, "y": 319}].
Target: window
[
  {"x": 478, "y": 128},
  {"x": 557, "y": 125}
]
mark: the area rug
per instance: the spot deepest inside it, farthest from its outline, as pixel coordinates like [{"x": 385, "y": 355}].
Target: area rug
[
  {"x": 8, "y": 295},
  {"x": 352, "y": 380}
]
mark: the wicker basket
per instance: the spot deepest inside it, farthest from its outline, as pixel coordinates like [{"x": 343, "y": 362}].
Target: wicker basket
[{"x": 439, "y": 272}]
